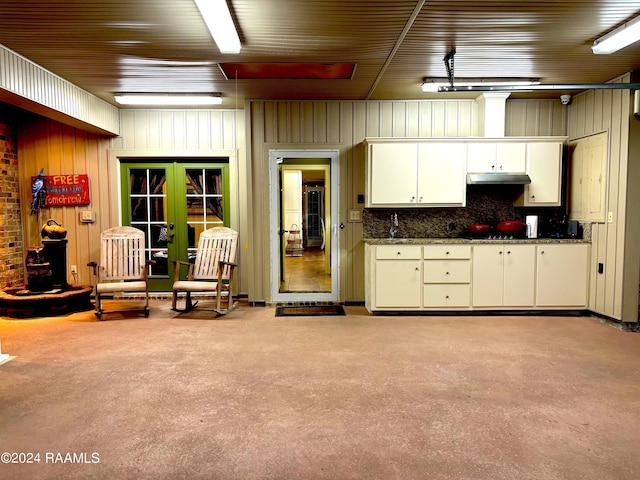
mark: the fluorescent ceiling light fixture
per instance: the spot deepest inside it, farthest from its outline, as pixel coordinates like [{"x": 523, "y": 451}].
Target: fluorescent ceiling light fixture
[
  {"x": 167, "y": 99},
  {"x": 218, "y": 19},
  {"x": 621, "y": 37},
  {"x": 435, "y": 84}
]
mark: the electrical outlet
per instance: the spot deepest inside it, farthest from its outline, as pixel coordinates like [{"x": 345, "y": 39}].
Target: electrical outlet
[
  {"x": 610, "y": 217},
  {"x": 74, "y": 269}
]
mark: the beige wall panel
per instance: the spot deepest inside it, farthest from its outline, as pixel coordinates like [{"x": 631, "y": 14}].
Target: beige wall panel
[
  {"x": 399, "y": 119},
  {"x": 335, "y": 121},
  {"x": 359, "y": 123},
  {"x": 386, "y": 119},
  {"x": 467, "y": 119},
  {"x": 425, "y": 120},
  {"x": 412, "y": 119},
  {"x": 438, "y": 119},
  {"x": 308, "y": 123},
  {"x": 320, "y": 122},
  {"x": 295, "y": 122},
  {"x": 206, "y": 127},
  {"x": 535, "y": 118},
  {"x": 282, "y": 122},
  {"x": 613, "y": 272},
  {"x": 373, "y": 128},
  {"x": 452, "y": 119},
  {"x": 591, "y": 112}
]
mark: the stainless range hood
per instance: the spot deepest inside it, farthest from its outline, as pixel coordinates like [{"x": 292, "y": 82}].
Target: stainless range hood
[{"x": 498, "y": 179}]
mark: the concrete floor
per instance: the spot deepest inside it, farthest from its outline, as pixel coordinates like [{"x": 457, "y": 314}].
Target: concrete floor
[{"x": 252, "y": 396}]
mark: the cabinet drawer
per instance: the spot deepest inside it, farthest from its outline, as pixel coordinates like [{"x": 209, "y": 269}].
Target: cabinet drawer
[
  {"x": 447, "y": 271},
  {"x": 398, "y": 252},
  {"x": 446, "y": 295},
  {"x": 447, "y": 251}
]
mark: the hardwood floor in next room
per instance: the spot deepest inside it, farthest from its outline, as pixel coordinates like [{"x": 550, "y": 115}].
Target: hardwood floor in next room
[{"x": 305, "y": 273}]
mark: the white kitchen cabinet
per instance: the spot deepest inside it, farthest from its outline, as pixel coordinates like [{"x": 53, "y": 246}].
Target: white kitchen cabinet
[
  {"x": 496, "y": 157},
  {"x": 562, "y": 275},
  {"x": 544, "y": 166},
  {"x": 442, "y": 174},
  {"x": 503, "y": 275},
  {"x": 409, "y": 174},
  {"x": 397, "y": 278},
  {"x": 392, "y": 174},
  {"x": 447, "y": 276}
]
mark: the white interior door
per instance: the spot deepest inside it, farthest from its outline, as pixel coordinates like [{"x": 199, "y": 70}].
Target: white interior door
[{"x": 280, "y": 201}]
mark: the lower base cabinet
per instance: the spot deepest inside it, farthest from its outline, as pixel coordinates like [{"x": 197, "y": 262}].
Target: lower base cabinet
[
  {"x": 503, "y": 275},
  {"x": 482, "y": 277},
  {"x": 562, "y": 278},
  {"x": 397, "y": 277}
]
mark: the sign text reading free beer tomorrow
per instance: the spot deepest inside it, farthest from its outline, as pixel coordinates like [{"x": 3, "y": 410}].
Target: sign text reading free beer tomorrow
[{"x": 67, "y": 190}]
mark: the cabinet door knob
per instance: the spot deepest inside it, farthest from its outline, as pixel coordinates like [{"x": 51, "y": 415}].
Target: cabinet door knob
[
  {"x": 417, "y": 269},
  {"x": 447, "y": 297},
  {"x": 508, "y": 252},
  {"x": 500, "y": 252},
  {"x": 420, "y": 199},
  {"x": 413, "y": 199},
  {"x": 447, "y": 273},
  {"x": 542, "y": 252},
  {"x": 447, "y": 253}
]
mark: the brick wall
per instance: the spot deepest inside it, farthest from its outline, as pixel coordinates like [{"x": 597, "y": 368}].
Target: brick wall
[{"x": 11, "y": 248}]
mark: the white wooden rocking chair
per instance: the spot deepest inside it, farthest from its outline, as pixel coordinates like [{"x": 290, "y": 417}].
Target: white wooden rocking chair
[
  {"x": 122, "y": 268},
  {"x": 212, "y": 271}
]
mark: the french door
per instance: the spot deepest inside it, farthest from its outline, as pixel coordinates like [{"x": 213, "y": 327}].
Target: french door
[{"x": 172, "y": 203}]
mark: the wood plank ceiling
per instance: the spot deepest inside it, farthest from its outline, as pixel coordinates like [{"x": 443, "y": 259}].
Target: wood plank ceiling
[{"x": 112, "y": 46}]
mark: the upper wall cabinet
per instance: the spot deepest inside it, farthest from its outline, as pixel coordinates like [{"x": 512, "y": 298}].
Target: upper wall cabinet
[
  {"x": 424, "y": 172},
  {"x": 496, "y": 157},
  {"x": 416, "y": 174},
  {"x": 544, "y": 166}
]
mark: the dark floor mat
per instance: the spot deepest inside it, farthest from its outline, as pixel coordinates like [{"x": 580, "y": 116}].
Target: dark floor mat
[{"x": 310, "y": 311}]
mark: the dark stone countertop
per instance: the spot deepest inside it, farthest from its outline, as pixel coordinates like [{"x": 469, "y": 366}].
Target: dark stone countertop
[{"x": 465, "y": 241}]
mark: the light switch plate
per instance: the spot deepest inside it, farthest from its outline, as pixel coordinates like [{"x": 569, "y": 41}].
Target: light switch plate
[
  {"x": 87, "y": 216},
  {"x": 610, "y": 217},
  {"x": 355, "y": 215}
]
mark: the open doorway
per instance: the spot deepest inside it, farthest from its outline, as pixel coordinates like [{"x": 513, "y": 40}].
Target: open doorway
[{"x": 304, "y": 232}]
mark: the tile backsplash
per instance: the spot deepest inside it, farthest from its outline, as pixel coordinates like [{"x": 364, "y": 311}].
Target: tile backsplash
[{"x": 485, "y": 203}]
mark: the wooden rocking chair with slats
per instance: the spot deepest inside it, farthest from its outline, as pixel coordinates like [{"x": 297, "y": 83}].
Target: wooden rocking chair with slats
[
  {"x": 123, "y": 267},
  {"x": 212, "y": 271}
]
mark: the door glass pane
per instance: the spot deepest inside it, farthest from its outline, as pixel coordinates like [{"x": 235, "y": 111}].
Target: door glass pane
[
  {"x": 148, "y": 194},
  {"x": 205, "y": 203}
]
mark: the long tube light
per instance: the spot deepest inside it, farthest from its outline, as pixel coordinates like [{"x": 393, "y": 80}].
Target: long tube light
[
  {"x": 219, "y": 22},
  {"x": 619, "y": 38},
  {"x": 461, "y": 84},
  {"x": 167, "y": 100},
  {"x": 530, "y": 88}
]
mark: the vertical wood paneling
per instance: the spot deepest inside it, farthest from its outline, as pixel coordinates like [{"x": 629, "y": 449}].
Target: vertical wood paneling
[
  {"x": 589, "y": 113},
  {"x": 308, "y": 123},
  {"x": 295, "y": 122},
  {"x": 425, "y": 121},
  {"x": 399, "y": 119},
  {"x": 334, "y": 122},
  {"x": 373, "y": 120},
  {"x": 26, "y": 79},
  {"x": 61, "y": 149}
]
